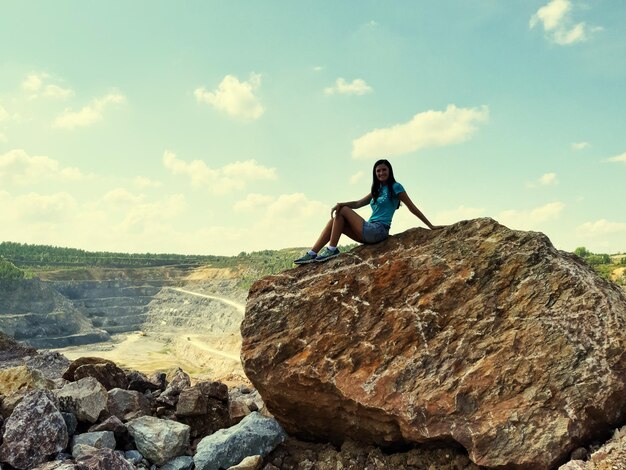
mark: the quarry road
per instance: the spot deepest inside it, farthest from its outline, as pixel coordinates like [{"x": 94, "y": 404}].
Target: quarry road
[
  {"x": 237, "y": 305},
  {"x": 199, "y": 343}
]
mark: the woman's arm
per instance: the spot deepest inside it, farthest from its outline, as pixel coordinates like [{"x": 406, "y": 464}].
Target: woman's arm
[
  {"x": 364, "y": 201},
  {"x": 404, "y": 197}
]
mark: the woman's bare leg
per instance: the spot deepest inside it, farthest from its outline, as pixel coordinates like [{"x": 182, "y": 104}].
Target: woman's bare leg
[
  {"x": 349, "y": 222},
  {"x": 324, "y": 237},
  {"x": 346, "y": 221}
]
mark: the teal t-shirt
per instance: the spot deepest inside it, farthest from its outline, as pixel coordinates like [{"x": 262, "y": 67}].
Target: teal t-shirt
[{"x": 385, "y": 206}]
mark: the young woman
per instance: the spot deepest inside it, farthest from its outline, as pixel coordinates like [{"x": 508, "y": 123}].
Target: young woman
[{"x": 384, "y": 198}]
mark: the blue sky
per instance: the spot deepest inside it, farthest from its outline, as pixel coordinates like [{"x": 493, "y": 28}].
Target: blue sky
[{"x": 220, "y": 127}]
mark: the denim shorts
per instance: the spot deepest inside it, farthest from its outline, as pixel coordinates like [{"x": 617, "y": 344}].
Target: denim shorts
[{"x": 374, "y": 232}]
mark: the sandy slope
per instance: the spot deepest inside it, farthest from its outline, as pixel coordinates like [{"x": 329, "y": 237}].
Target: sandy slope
[
  {"x": 202, "y": 357},
  {"x": 206, "y": 356}
]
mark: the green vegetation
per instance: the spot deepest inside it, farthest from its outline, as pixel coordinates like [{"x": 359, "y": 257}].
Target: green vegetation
[
  {"x": 9, "y": 272},
  {"x": 608, "y": 266},
  {"x": 22, "y": 254},
  {"x": 35, "y": 259}
]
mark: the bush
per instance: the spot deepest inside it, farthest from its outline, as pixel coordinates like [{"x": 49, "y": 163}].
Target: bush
[
  {"x": 8, "y": 271},
  {"x": 582, "y": 252},
  {"x": 595, "y": 260}
]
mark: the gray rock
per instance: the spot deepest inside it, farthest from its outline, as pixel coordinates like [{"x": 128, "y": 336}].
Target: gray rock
[
  {"x": 99, "y": 440},
  {"x": 127, "y": 404},
  {"x": 159, "y": 440},
  {"x": 180, "y": 380},
  {"x": 86, "y": 398},
  {"x": 179, "y": 463},
  {"x": 50, "y": 363},
  {"x": 133, "y": 456},
  {"x": 71, "y": 422},
  {"x": 80, "y": 451},
  {"x": 35, "y": 431},
  {"x": 254, "y": 435}
]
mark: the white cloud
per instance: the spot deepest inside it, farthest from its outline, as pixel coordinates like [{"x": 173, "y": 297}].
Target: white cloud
[
  {"x": 555, "y": 17},
  {"x": 89, "y": 114},
  {"x": 116, "y": 221},
  {"x": 580, "y": 145},
  {"x": 233, "y": 97},
  {"x": 426, "y": 129},
  {"x": 35, "y": 84},
  {"x": 357, "y": 177},
  {"x": 530, "y": 219},
  {"x": 55, "y": 91},
  {"x": 3, "y": 138},
  {"x": 358, "y": 86},
  {"x": 551, "y": 15},
  {"x": 143, "y": 182},
  {"x": 234, "y": 176},
  {"x": 17, "y": 167},
  {"x": 253, "y": 202},
  {"x": 146, "y": 217},
  {"x": 289, "y": 220},
  {"x": 601, "y": 227},
  {"x": 618, "y": 158},
  {"x": 318, "y": 68},
  {"x": 33, "y": 208},
  {"x": 32, "y": 83},
  {"x": 548, "y": 179},
  {"x": 121, "y": 197}
]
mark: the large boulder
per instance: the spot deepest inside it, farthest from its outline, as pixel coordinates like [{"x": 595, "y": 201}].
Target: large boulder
[{"x": 475, "y": 333}]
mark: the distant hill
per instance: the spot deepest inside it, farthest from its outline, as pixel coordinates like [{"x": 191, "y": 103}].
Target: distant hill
[{"x": 39, "y": 260}]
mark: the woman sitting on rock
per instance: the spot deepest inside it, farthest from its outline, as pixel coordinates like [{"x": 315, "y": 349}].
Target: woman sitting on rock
[{"x": 385, "y": 198}]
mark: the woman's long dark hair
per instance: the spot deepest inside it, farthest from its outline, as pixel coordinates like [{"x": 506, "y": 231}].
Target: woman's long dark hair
[{"x": 376, "y": 185}]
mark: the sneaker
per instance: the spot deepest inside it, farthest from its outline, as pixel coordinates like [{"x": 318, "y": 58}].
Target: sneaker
[
  {"x": 327, "y": 254},
  {"x": 306, "y": 259}
]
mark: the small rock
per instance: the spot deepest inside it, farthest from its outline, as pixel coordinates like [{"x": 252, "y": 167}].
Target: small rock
[
  {"x": 127, "y": 404},
  {"x": 99, "y": 440},
  {"x": 253, "y": 462},
  {"x": 133, "y": 456},
  {"x": 579, "y": 454},
  {"x": 104, "y": 459},
  {"x": 254, "y": 435},
  {"x": 179, "y": 463},
  {"x": 71, "y": 422},
  {"x": 82, "y": 450},
  {"x": 86, "y": 398},
  {"x": 159, "y": 440}
]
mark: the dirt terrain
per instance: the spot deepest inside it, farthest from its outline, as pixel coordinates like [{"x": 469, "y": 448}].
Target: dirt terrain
[
  {"x": 194, "y": 326},
  {"x": 202, "y": 357}
]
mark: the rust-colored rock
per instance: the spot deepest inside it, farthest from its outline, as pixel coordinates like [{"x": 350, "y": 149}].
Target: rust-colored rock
[{"x": 475, "y": 333}]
